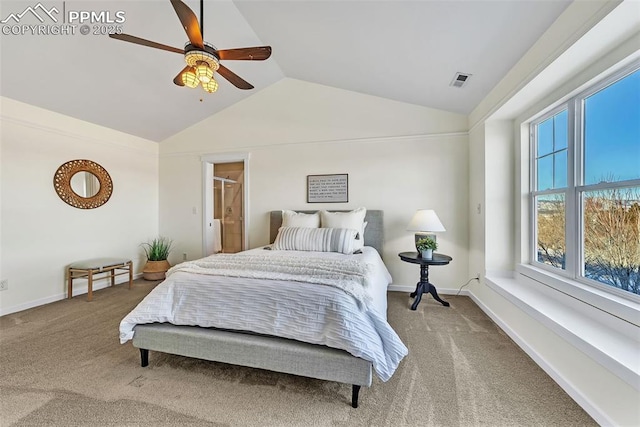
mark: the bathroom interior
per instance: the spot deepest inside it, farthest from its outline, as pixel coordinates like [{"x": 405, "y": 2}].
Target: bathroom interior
[{"x": 228, "y": 209}]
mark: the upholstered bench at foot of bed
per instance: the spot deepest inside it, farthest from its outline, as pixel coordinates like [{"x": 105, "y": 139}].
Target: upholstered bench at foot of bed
[
  {"x": 91, "y": 267},
  {"x": 255, "y": 351}
]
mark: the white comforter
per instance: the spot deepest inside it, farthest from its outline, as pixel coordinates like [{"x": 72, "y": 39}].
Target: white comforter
[{"x": 328, "y": 312}]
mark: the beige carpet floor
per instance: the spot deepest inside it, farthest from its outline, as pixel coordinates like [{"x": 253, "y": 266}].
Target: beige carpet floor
[{"x": 62, "y": 365}]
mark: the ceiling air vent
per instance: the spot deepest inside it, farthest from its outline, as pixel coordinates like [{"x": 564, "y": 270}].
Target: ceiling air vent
[{"x": 460, "y": 79}]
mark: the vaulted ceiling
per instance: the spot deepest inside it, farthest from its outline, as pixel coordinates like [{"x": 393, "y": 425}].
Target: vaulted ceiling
[{"x": 407, "y": 51}]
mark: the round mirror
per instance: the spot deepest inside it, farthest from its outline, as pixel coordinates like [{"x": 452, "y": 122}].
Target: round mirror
[{"x": 83, "y": 184}]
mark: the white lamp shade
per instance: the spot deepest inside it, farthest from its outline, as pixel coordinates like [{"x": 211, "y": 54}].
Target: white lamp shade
[{"x": 425, "y": 220}]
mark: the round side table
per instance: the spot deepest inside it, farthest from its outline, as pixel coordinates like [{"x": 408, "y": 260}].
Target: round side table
[{"x": 424, "y": 286}]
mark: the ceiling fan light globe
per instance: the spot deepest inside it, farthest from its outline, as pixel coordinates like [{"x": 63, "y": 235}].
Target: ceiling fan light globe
[
  {"x": 211, "y": 86},
  {"x": 204, "y": 73},
  {"x": 190, "y": 79}
]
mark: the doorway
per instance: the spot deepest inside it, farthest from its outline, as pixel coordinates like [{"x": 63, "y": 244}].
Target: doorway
[
  {"x": 237, "y": 198},
  {"x": 228, "y": 206}
]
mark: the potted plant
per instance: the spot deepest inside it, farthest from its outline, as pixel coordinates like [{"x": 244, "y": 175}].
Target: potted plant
[
  {"x": 426, "y": 246},
  {"x": 157, "y": 252}
]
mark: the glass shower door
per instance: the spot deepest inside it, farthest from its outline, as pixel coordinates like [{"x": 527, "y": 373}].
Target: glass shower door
[{"x": 232, "y": 217}]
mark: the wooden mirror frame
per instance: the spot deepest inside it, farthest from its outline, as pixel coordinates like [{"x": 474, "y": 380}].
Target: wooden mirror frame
[{"x": 62, "y": 184}]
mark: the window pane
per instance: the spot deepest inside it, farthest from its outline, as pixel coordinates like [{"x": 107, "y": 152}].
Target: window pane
[
  {"x": 545, "y": 173},
  {"x": 612, "y": 132},
  {"x": 551, "y": 149},
  {"x": 551, "y": 230},
  {"x": 560, "y": 170},
  {"x": 545, "y": 137},
  {"x": 612, "y": 237},
  {"x": 560, "y": 131}
]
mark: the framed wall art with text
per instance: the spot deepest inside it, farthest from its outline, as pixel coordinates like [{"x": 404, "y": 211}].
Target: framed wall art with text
[{"x": 328, "y": 188}]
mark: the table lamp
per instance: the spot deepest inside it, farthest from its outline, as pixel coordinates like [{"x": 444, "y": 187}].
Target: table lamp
[{"x": 424, "y": 222}]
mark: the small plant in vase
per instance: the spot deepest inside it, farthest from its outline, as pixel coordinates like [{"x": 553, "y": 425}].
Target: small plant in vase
[
  {"x": 426, "y": 246},
  {"x": 157, "y": 252}
]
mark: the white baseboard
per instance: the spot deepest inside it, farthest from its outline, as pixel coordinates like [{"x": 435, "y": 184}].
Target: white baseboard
[
  {"x": 401, "y": 288},
  {"x": 78, "y": 289}
]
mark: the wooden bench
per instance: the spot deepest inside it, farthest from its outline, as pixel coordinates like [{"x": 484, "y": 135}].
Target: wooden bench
[{"x": 90, "y": 267}]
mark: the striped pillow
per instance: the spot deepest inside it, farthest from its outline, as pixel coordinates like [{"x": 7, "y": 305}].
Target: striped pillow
[
  {"x": 353, "y": 219},
  {"x": 315, "y": 239}
]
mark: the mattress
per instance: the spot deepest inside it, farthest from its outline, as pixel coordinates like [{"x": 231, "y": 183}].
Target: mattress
[{"x": 309, "y": 312}]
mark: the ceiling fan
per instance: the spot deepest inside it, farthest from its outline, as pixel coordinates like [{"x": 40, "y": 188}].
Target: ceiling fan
[{"x": 202, "y": 58}]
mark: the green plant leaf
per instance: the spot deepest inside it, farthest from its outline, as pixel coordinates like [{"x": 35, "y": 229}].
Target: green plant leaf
[
  {"x": 426, "y": 243},
  {"x": 157, "y": 249}
]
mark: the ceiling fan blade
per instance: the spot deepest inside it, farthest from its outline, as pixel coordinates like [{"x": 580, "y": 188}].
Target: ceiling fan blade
[
  {"x": 189, "y": 22},
  {"x": 178, "y": 79},
  {"x": 258, "y": 53},
  {"x": 233, "y": 78},
  {"x": 143, "y": 42}
]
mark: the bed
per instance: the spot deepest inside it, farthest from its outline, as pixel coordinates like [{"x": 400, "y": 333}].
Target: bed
[{"x": 280, "y": 343}]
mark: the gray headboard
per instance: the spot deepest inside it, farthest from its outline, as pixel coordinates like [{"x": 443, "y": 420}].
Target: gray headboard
[{"x": 373, "y": 234}]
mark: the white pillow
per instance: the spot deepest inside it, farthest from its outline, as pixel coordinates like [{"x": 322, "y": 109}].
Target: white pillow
[
  {"x": 298, "y": 219},
  {"x": 353, "y": 220},
  {"x": 315, "y": 239}
]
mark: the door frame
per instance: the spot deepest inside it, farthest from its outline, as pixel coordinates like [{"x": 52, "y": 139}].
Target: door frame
[{"x": 208, "y": 160}]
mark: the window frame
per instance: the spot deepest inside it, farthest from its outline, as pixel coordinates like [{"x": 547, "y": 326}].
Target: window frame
[
  {"x": 533, "y": 193},
  {"x": 575, "y": 189}
]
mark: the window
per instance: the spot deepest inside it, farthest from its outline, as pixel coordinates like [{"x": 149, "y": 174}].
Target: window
[{"x": 585, "y": 186}]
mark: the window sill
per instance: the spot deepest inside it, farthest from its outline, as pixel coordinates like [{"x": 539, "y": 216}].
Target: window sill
[
  {"x": 622, "y": 308},
  {"x": 608, "y": 338}
]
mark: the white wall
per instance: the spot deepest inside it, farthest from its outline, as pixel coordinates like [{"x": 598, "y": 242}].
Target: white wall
[
  {"x": 399, "y": 158},
  {"x": 477, "y": 203},
  {"x": 293, "y": 111},
  {"x": 498, "y": 189},
  {"x": 40, "y": 233}
]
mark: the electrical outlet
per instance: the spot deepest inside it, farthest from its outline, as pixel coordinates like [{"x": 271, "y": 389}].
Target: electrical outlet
[{"x": 4, "y": 285}]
